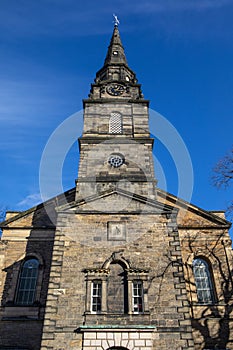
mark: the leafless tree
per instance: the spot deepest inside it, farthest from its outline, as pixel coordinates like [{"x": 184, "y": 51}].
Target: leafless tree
[
  {"x": 223, "y": 175},
  {"x": 220, "y": 312}
]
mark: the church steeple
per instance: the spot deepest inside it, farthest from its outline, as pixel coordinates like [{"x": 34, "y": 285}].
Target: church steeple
[
  {"x": 115, "y": 79},
  {"x": 115, "y": 65},
  {"x": 115, "y": 54},
  {"x": 115, "y": 144}
]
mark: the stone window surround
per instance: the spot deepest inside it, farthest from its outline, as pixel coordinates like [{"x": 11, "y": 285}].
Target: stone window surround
[
  {"x": 15, "y": 279},
  {"x": 211, "y": 261},
  {"x": 115, "y": 123},
  {"x": 209, "y": 277},
  {"x": 102, "y": 274},
  {"x": 27, "y": 282}
]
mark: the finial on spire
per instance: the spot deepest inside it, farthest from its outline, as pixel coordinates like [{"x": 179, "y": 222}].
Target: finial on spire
[{"x": 116, "y": 20}]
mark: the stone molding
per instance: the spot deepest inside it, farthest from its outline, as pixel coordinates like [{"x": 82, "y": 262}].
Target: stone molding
[{"x": 129, "y": 338}]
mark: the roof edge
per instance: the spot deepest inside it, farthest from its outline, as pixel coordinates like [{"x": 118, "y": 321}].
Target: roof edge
[
  {"x": 195, "y": 208},
  {"x": 53, "y": 200}
]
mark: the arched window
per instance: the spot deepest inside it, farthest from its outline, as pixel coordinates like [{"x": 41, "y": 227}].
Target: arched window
[
  {"x": 115, "y": 123},
  {"x": 27, "y": 282},
  {"x": 203, "y": 280},
  {"x": 116, "y": 287}
]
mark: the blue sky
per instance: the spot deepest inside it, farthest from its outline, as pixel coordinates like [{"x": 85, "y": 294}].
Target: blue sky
[{"x": 50, "y": 50}]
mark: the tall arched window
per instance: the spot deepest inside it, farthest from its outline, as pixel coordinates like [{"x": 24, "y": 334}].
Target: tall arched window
[
  {"x": 115, "y": 123},
  {"x": 203, "y": 281},
  {"x": 27, "y": 282}
]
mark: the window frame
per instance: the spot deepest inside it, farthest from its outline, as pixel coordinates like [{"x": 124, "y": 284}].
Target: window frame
[
  {"x": 98, "y": 295},
  {"x": 102, "y": 274},
  {"x": 137, "y": 297},
  {"x": 24, "y": 279},
  {"x": 204, "y": 281}
]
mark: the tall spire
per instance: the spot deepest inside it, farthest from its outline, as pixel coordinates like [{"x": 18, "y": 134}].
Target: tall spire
[
  {"x": 115, "y": 65},
  {"x": 115, "y": 79},
  {"x": 115, "y": 54}
]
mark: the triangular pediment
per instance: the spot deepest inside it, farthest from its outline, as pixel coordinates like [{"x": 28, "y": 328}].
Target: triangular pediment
[
  {"x": 121, "y": 201},
  {"x": 118, "y": 201}
]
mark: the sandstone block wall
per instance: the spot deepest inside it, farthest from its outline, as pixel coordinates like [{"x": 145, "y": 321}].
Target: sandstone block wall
[{"x": 151, "y": 244}]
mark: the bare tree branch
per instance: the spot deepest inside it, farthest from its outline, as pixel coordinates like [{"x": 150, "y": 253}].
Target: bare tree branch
[
  {"x": 223, "y": 171},
  {"x": 229, "y": 211},
  {"x": 223, "y": 176}
]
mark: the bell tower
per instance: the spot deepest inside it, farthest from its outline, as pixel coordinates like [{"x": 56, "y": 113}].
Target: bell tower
[{"x": 115, "y": 147}]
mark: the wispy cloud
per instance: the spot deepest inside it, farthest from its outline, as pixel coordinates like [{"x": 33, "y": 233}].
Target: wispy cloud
[
  {"x": 29, "y": 102},
  {"x": 30, "y": 201},
  {"x": 59, "y": 18},
  {"x": 18, "y": 100},
  {"x": 151, "y": 6},
  {"x": 52, "y": 18}
]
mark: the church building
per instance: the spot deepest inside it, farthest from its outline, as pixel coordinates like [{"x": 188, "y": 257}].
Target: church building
[{"x": 116, "y": 263}]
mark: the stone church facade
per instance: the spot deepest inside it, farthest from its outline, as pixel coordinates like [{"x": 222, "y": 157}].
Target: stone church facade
[{"x": 116, "y": 263}]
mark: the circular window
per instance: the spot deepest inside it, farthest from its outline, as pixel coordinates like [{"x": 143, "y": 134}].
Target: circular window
[{"x": 116, "y": 160}]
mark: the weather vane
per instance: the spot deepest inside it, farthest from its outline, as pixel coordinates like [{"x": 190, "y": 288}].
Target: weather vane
[{"x": 116, "y": 20}]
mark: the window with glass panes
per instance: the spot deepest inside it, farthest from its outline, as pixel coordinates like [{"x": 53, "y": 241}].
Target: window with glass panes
[
  {"x": 27, "y": 282},
  {"x": 96, "y": 296},
  {"x": 203, "y": 281},
  {"x": 137, "y": 296}
]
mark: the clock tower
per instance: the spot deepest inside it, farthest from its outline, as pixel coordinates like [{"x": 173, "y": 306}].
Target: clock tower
[{"x": 115, "y": 147}]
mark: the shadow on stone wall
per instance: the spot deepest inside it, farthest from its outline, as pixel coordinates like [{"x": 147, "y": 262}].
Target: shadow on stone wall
[
  {"x": 212, "y": 323},
  {"x": 21, "y": 325}
]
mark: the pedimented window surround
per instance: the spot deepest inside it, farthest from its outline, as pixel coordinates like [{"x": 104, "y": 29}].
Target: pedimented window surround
[{"x": 102, "y": 274}]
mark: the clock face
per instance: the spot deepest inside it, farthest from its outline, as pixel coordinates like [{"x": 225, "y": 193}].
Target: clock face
[
  {"x": 115, "y": 89},
  {"x": 116, "y": 160}
]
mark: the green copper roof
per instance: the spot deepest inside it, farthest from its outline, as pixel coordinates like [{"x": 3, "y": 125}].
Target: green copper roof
[{"x": 113, "y": 326}]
